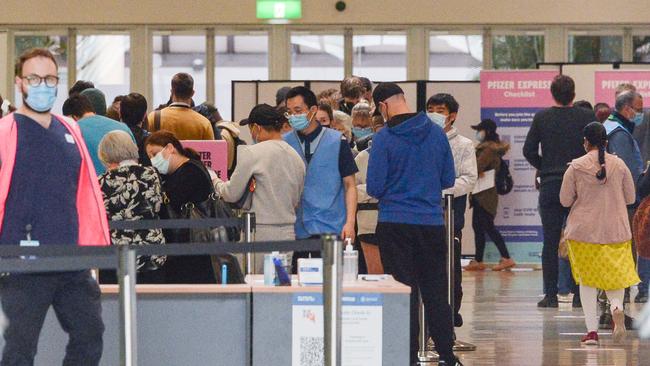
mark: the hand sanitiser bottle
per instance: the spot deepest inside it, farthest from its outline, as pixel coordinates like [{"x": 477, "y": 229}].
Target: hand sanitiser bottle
[
  {"x": 350, "y": 262},
  {"x": 269, "y": 268}
]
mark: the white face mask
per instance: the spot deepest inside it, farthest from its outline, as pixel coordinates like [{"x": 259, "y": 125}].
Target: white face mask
[
  {"x": 159, "y": 162},
  {"x": 437, "y": 118}
]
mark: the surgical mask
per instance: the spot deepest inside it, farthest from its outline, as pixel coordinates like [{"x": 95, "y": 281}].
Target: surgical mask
[
  {"x": 437, "y": 118},
  {"x": 299, "y": 122},
  {"x": 480, "y": 136},
  {"x": 159, "y": 162},
  {"x": 360, "y": 133},
  {"x": 40, "y": 98},
  {"x": 638, "y": 118}
]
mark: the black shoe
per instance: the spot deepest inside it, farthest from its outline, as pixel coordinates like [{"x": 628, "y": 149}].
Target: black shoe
[
  {"x": 629, "y": 322},
  {"x": 458, "y": 320},
  {"x": 548, "y": 302},
  {"x": 606, "y": 321},
  {"x": 641, "y": 298},
  {"x": 577, "y": 304}
]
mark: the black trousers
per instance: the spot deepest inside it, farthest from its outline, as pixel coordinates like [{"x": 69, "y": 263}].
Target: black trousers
[
  {"x": 460, "y": 205},
  {"x": 416, "y": 256},
  {"x": 553, "y": 216},
  {"x": 483, "y": 224},
  {"x": 75, "y": 297}
]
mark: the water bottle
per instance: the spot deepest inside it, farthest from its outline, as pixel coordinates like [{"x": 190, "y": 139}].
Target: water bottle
[{"x": 350, "y": 262}]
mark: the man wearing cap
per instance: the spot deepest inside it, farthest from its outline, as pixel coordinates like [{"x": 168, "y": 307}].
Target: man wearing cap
[
  {"x": 277, "y": 174},
  {"x": 410, "y": 164},
  {"x": 329, "y": 202}
]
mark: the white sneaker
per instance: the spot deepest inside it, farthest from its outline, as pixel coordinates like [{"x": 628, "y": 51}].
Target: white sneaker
[{"x": 565, "y": 298}]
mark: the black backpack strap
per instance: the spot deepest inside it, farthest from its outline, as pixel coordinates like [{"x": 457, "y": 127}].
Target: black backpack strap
[{"x": 156, "y": 120}]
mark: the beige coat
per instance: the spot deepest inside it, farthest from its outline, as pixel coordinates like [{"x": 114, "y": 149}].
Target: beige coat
[
  {"x": 598, "y": 207},
  {"x": 366, "y": 219}
]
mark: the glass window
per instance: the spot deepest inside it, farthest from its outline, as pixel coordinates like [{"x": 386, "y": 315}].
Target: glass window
[
  {"x": 584, "y": 48},
  {"x": 173, "y": 54},
  {"x": 239, "y": 57},
  {"x": 455, "y": 57},
  {"x": 517, "y": 51},
  {"x": 316, "y": 57},
  {"x": 58, "y": 45},
  {"x": 641, "y": 46},
  {"x": 380, "y": 57},
  {"x": 105, "y": 60}
]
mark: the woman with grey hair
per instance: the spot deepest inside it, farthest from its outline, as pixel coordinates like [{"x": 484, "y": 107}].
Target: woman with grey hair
[{"x": 131, "y": 192}]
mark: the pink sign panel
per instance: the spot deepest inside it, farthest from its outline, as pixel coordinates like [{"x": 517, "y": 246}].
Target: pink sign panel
[
  {"x": 607, "y": 81},
  {"x": 516, "y": 89},
  {"x": 214, "y": 155}
]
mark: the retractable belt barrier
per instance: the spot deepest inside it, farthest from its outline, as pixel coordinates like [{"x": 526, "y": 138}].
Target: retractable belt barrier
[{"x": 53, "y": 258}]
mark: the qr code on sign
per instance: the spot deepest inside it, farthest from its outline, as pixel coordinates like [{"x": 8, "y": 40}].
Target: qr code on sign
[{"x": 311, "y": 351}]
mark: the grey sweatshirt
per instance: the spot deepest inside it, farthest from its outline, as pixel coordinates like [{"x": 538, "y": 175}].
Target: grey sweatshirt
[{"x": 280, "y": 175}]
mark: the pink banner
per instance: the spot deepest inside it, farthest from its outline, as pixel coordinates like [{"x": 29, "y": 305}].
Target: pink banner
[
  {"x": 516, "y": 89},
  {"x": 214, "y": 155},
  {"x": 607, "y": 81}
]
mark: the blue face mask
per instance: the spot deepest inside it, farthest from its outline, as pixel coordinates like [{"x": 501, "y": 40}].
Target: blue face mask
[
  {"x": 638, "y": 118},
  {"x": 360, "y": 133},
  {"x": 299, "y": 121},
  {"x": 40, "y": 98},
  {"x": 437, "y": 118}
]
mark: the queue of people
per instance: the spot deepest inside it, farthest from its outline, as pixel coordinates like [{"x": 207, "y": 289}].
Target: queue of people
[{"x": 358, "y": 163}]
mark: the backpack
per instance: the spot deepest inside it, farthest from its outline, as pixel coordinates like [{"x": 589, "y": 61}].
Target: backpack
[
  {"x": 231, "y": 136},
  {"x": 503, "y": 179}
]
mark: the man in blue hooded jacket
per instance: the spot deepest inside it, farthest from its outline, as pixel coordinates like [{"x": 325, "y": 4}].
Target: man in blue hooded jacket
[
  {"x": 410, "y": 164},
  {"x": 620, "y": 127}
]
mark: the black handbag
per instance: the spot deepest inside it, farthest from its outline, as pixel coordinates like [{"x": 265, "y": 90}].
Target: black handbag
[{"x": 212, "y": 208}]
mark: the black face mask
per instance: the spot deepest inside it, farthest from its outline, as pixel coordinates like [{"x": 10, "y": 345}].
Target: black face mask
[{"x": 347, "y": 107}]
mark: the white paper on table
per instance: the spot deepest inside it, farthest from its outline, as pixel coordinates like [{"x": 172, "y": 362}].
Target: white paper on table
[{"x": 485, "y": 182}]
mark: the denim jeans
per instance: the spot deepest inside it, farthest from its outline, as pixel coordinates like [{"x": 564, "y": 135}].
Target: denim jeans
[
  {"x": 553, "y": 216},
  {"x": 643, "y": 267},
  {"x": 566, "y": 284}
]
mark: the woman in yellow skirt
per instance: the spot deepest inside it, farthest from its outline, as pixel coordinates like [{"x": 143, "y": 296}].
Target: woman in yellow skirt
[{"x": 598, "y": 187}]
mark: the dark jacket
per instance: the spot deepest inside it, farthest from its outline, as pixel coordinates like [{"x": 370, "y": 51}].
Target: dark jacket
[
  {"x": 488, "y": 157},
  {"x": 559, "y": 132},
  {"x": 410, "y": 164},
  {"x": 621, "y": 143},
  {"x": 642, "y": 137}
]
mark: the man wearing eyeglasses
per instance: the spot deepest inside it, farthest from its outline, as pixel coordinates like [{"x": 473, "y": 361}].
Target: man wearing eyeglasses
[
  {"x": 329, "y": 200},
  {"x": 49, "y": 195}
]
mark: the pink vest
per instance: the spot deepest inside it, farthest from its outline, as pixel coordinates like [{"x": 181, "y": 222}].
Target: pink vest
[{"x": 93, "y": 224}]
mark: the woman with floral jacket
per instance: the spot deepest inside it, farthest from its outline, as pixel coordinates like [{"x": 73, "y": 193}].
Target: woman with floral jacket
[{"x": 131, "y": 192}]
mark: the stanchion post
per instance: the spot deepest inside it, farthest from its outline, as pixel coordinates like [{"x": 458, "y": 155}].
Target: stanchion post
[
  {"x": 424, "y": 354},
  {"x": 451, "y": 267},
  {"x": 449, "y": 204},
  {"x": 332, "y": 294},
  {"x": 128, "y": 309},
  {"x": 249, "y": 237}
]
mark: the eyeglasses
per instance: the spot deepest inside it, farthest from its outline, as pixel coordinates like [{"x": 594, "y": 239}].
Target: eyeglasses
[{"x": 34, "y": 80}]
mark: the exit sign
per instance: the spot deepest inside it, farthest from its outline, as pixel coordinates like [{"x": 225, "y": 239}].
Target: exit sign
[{"x": 279, "y": 9}]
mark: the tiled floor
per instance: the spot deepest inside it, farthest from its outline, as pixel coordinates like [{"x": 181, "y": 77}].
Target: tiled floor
[{"x": 502, "y": 319}]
